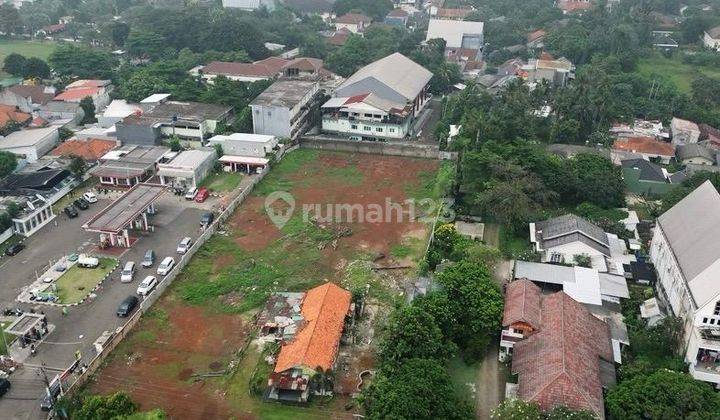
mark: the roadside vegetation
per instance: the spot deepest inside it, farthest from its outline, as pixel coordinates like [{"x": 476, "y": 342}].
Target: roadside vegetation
[{"x": 77, "y": 282}]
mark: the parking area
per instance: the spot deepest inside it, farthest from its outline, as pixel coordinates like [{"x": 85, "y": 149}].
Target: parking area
[{"x": 83, "y": 324}]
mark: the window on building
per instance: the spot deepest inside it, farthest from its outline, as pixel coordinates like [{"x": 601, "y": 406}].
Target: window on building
[
  {"x": 717, "y": 308},
  {"x": 377, "y": 116},
  {"x": 269, "y": 113},
  {"x": 705, "y": 320},
  {"x": 369, "y": 115},
  {"x": 353, "y": 126},
  {"x": 392, "y": 130},
  {"x": 106, "y": 180},
  {"x": 367, "y": 128},
  {"x": 379, "y": 129}
]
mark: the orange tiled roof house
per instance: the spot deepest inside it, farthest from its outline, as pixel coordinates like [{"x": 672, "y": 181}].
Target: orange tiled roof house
[{"x": 313, "y": 348}]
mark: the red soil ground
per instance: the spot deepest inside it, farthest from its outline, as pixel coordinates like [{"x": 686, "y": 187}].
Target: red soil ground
[{"x": 156, "y": 368}]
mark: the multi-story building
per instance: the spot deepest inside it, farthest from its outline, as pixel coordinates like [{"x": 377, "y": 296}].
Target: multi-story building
[
  {"x": 284, "y": 108},
  {"x": 686, "y": 252},
  {"x": 380, "y": 101}
]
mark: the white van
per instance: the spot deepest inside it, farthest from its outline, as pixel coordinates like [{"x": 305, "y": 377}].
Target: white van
[
  {"x": 165, "y": 266},
  {"x": 128, "y": 272}
]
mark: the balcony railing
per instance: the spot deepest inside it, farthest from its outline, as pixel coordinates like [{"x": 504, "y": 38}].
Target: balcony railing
[{"x": 710, "y": 333}]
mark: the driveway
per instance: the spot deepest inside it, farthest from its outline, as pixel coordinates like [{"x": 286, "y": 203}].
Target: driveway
[
  {"x": 83, "y": 324},
  {"x": 490, "y": 383}
]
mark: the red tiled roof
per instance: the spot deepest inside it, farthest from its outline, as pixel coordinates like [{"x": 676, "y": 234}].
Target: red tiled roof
[
  {"x": 522, "y": 304},
  {"x": 77, "y": 94},
  {"x": 9, "y": 113},
  {"x": 397, "y": 13},
  {"x": 545, "y": 56},
  {"x": 535, "y": 35},
  {"x": 316, "y": 344},
  {"x": 560, "y": 364},
  {"x": 449, "y": 13},
  {"x": 305, "y": 64},
  {"x": 90, "y": 149},
  {"x": 339, "y": 37},
  {"x": 574, "y": 5},
  {"x": 646, "y": 145},
  {"x": 36, "y": 93},
  {"x": 85, "y": 83},
  {"x": 51, "y": 29},
  {"x": 38, "y": 122},
  {"x": 353, "y": 19}
]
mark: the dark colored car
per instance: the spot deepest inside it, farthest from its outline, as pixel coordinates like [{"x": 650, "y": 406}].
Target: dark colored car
[
  {"x": 14, "y": 249},
  {"x": 81, "y": 204},
  {"x": 207, "y": 218},
  {"x": 71, "y": 211},
  {"x": 4, "y": 386},
  {"x": 46, "y": 404},
  {"x": 126, "y": 306}
]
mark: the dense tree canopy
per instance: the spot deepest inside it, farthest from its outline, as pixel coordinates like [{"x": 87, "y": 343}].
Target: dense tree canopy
[
  {"x": 82, "y": 62},
  {"x": 663, "y": 395},
  {"x": 420, "y": 389},
  {"x": 8, "y": 163}
]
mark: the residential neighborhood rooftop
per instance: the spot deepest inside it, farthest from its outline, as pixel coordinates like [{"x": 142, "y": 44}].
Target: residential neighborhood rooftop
[
  {"x": 286, "y": 93},
  {"x": 647, "y": 145}
]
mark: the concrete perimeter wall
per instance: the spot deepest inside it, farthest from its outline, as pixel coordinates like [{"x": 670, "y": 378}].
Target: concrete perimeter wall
[{"x": 427, "y": 151}]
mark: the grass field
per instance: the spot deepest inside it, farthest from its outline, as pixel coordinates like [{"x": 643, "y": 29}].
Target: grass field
[
  {"x": 9, "y": 338},
  {"x": 40, "y": 49},
  {"x": 222, "y": 181},
  {"x": 675, "y": 71},
  {"x": 205, "y": 316},
  {"x": 77, "y": 282}
]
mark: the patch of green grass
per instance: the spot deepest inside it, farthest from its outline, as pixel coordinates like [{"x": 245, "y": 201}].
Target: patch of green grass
[
  {"x": 160, "y": 317},
  {"x": 401, "y": 250},
  {"x": 292, "y": 165},
  {"x": 675, "y": 71},
  {"x": 222, "y": 181},
  {"x": 145, "y": 336},
  {"x": 9, "y": 338},
  {"x": 511, "y": 243},
  {"x": 40, "y": 49},
  {"x": 77, "y": 282}
]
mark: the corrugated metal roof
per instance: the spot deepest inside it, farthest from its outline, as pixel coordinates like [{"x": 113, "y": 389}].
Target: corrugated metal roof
[
  {"x": 398, "y": 72},
  {"x": 452, "y": 31}
]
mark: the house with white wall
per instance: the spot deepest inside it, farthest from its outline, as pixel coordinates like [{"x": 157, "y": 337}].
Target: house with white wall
[
  {"x": 711, "y": 38},
  {"x": 685, "y": 250},
  {"x": 380, "y": 101},
  {"x": 284, "y": 108}
]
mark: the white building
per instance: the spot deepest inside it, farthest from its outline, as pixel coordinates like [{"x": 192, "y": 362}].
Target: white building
[
  {"x": 686, "y": 252},
  {"x": 187, "y": 169},
  {"x": 283, "y": 109},
  {"x": 711, "y": 38},
  {"x": 245, "y": 144},
  {"x": 31, "y": 144},
  {"x": 457, "y": 34},
  {"x": 380, "y": 101},
  {"x": 249, "y": 4},
  {"x": 116, "y": 111},
  {"x": 684, "y": 131}
]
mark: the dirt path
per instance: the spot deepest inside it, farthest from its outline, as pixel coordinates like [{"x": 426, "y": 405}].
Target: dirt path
[{"x": 490, "y": 383}]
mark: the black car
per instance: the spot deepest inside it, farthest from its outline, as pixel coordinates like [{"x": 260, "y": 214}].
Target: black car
[
  {"x": 71, "y": 211},
  {"x": 81, "y": 204},
  {"x": 46, "y": 404},
  {"x": 207, "y": 218},
  {"x": 14, "y": 249},
  {"x": 127, "y": 306},
  {"x": 4, "y": 386}
]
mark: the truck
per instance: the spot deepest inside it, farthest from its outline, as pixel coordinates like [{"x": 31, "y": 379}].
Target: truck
[{"x": 86, "y": 261}]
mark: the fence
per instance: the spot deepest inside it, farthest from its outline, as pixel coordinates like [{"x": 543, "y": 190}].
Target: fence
[
  {"x": 428, "y": 151},
  {"x": 6, "y": 235},
  {"x": 150, "y": 299}
]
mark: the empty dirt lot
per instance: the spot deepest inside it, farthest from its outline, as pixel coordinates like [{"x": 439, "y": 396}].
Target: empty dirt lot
[{"x": 199, "y": 326}]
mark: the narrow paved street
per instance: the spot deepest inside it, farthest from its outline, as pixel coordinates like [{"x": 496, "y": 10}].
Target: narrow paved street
[{"x": 490, "y": 383}]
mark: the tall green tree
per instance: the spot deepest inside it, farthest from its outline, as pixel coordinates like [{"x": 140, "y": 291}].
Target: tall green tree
[
  {"x": 9, "y": 19},
  {"x": 82, "y": 62},
  {"x": 15, "y": 64},
  {"x": 88, "y": 107},
  {"x": 36, "y": 67},
  {"x": 8, "y": 163},
  {"x": 419, "y": 389}
]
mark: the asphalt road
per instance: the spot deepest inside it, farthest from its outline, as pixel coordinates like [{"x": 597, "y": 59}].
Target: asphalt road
[{"x": 176, "y": 219}]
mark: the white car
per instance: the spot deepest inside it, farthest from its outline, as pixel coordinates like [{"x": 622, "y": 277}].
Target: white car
[
  {"x": 90, "y": 197},
  {"x": 165, "y": 266},
  {"x": 146, "y": 286},
  {"x": 184, "y": 245},
  {"x": 190, "y": 195},
  {"x": 128, "y": 272},
  {"x": 86, "y": 261}
]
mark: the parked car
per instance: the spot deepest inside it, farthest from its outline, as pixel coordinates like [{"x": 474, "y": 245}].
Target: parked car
[
  {"x": 191, "y": 193},
  {"x": 128, "y": 272},
  {"x": 46, "y": 404},
  {"x": 202, "y": 195},
  {"x": 127, "y": 305},
  {"x": 147, "y": 285},
  {"x": 165, "y": 266},
  {"x": 71, "y": 211},
  {"x": 90, "y": 197},
  {"x": 81, "y": 204},
  {"x": 148, "y": 259},
  {"x": 4, "y": 386},
  {"x": 14, "y": 249},
  {"x": 184, "y": 245},
  {"x": 207, "y": 218},
  {"x": 86, "y": 261}
]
